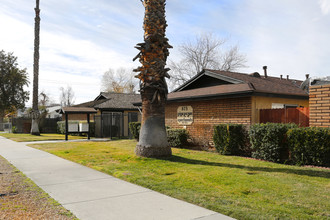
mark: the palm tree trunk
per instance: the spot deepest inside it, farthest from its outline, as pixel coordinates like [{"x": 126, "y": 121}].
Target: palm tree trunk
[
  {"x": 153, "y": 55},
  {"x": 35, "y": 111}
]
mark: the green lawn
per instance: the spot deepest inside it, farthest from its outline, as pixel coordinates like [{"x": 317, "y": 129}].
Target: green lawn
[
  {"x": 239, "y": 187},
  {"x": 42, "y": 137}
]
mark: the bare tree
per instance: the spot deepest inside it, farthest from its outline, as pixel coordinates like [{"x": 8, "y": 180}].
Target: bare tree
[
  {"x": 120, "y": 81},
  {"x": 232, "y": 60},
  {"x": 153, "y": 55},
  {"x": 44, "y": 99},
  {"x": 67, "y": 96},
  {"x": 206, "y": 52}
]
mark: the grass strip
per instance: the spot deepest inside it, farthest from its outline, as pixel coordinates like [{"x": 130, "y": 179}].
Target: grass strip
[{"x": 242, "y": 188}]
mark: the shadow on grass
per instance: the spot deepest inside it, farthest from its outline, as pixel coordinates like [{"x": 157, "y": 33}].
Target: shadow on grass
[{"x": 298, "y": 171}]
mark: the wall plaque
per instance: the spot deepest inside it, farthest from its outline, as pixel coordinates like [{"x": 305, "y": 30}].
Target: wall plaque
[{"x": 185, "y": 115}]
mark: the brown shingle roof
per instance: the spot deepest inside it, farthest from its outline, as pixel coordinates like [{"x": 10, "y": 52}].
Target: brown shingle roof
[
  {"x": 119, "y": 101},
  {"x": 246, "y": 84},
  {"x": 272, "y": 85},
  {"x": 90, "y": 104},
  {"x": 211, "y": 91}
]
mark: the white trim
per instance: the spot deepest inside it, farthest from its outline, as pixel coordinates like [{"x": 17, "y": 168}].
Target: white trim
[
  {"x": 224, "y": 78},
  {"x": 211, "y": 74}
]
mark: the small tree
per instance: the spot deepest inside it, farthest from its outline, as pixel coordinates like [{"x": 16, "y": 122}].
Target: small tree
[
  {"x": 67, "y": 96},
  {"x": 206, "y": 52},
  {"x": 44, "y": 101},
  {"x": 12, "y": 82}
]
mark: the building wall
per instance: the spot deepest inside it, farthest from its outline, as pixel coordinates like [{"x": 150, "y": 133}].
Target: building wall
[
  {"x": 260, "y": 102},
  {"x": 319, "y": 101},
  {"x": 206, "y": 114}
]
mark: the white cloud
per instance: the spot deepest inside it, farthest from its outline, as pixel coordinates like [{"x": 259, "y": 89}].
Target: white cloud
[
  {"x": 325, "y": 6},
  {"x": 80, "y": 40},
  {"x": 64, "y": 60}
]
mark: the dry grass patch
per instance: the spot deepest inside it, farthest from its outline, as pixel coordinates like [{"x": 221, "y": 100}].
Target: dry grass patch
[{"x": 20, "y": 198}]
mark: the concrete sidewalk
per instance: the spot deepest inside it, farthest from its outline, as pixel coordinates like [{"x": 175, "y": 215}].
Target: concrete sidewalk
[{"x": 90, "y": 194}]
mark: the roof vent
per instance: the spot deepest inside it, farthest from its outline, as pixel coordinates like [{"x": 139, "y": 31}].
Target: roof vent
[
  {"x": 255, "y": 74},
  {"x": 265, "y": 71}
]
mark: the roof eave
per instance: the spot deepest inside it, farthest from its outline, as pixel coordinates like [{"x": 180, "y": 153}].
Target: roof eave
[
  {"x": 213, "y": 96},
  {"x": 211, "y": 74},
  {"x": 117, "y": 109},
  {"x": 189, "y": 81},
  {"x": 281, "y": 95},
  {"x": 222, "y": 77},
  {"x": 101, "y": 94}
]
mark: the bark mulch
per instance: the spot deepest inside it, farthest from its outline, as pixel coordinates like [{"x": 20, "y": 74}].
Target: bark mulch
[{"x": 20, "y": 198}]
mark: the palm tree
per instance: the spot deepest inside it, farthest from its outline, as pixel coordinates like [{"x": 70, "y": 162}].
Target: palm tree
[
  {"x": 153, "y": 55},
  {"x": 35, "y": 111}
]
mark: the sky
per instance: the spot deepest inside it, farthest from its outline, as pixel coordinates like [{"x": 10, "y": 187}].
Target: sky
[{"x": 82, "y": 39}]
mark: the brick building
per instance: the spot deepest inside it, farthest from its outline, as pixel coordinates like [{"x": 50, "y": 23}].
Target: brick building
[
  {"x": 213, "y": 97},
  {"x": 319, "y": 103}
]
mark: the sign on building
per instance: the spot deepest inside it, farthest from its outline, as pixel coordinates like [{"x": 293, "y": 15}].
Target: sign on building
[{"x": 185, "y": 115}]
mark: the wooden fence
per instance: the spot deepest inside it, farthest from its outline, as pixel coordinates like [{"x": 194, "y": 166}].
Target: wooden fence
[
  {"x": 46, "y": 125},
  {"x": 299, "y": 116}
]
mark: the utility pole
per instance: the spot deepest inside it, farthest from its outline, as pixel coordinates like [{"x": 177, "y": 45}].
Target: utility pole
[{"x": 35, "y": 110}]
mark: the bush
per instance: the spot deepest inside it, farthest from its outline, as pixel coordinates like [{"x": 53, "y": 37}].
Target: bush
[
  {"x": 230, "y": 139},
  {"x": 309, "y": 146},
  {"x": 268, "y": 141},
  {"x": 14, "y": 129},
  {"x": 61, "y": 127},
  {"x": 134, "y": 128},
  {"x": 177, "y": 137}
]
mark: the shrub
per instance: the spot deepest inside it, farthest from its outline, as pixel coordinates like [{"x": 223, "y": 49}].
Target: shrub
[
  {"x": 230, "y": 139},
  {"x": 177, "y": 137},
  {"x": 309, "y": 146},
  {"x": 14, "y": 129},
  {"x": 268, "y": 141},
  {"x": 134, "y": 128},
  {"x": 61, "y": 127}
]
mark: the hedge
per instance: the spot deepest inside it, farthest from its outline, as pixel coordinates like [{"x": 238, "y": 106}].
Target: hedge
[
  {"x": 177, "y": 137},
  {"x": 230, "y": 139},
  {"x": 309, "y": 146},
  {"x": 134, "y": 128},
  {"x": 268, "y": 141}
]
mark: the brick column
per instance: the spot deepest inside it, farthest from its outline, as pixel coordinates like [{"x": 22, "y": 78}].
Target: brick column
[{"x": 319, "y": 102}]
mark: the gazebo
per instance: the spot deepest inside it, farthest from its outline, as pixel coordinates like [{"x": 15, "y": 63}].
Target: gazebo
[{"x": 76, "y": 110}]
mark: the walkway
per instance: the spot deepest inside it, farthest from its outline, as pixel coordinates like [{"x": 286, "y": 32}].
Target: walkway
[{"x": 90, "y": 194}]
